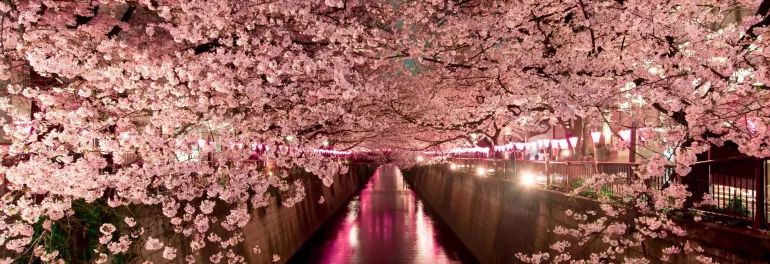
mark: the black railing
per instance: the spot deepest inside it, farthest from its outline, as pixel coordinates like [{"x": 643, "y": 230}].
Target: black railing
[{"x": 737, "y": 186}]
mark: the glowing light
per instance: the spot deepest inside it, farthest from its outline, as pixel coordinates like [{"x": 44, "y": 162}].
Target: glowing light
[
  {"x": 481, "y": 171},
  {"x": 353, "y": 235},
  {"x": 519, "y": 145},
  {"x": 452, "y": 166},
  {"x": 606, "y": 131},
  {"x": 420, "y": 158},
  {"x": 332, "y": 152},
  {"x": 573, "y": 141},
  {"x": 625, "y": 135},
  {"x": 289, "y": 138},
  {"x": 595, "y": 136},
  {"x": 528, "y": 179},
  {"x": 467, "y": 150},
  {"x": 325, "y": 143},
  {"x": 533, "y": 146},
  {"x": 563, "y": 144}
]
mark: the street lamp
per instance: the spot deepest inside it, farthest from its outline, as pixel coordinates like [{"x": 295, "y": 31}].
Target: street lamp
[
  {"x": 528, "y": 179},
  {"x": 481, "y": 171}
]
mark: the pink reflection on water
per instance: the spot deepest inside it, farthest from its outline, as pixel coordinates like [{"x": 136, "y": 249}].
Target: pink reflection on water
[{"x": 386, "y": 224}]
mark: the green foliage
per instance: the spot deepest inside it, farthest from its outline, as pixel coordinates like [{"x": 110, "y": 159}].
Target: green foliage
[
  {"x": 399, "y": 25},
  {"x": 412, "y": 66},
  {"x": 576, "y": 184},
  {"x": 605, "y": 191},
  {"x": 735, "y": 205},
  {"x": 76, "y": 237}
]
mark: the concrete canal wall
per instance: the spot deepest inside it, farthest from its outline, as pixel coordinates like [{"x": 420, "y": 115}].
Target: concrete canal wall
[
  {"x": 275, "y": 229},
  {"x": 496, "y": 219}
]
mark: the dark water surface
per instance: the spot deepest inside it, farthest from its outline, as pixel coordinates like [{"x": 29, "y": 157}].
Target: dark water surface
[{"x": 385, "y": 223}]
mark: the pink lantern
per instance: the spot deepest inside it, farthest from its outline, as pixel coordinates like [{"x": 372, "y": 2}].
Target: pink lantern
[
  {"x": 625, "y": 135},
  {"x": 573, "y": 141},
  {"x": 563, "y": 144},
  {"x": 595, "y": 136},
  {"x": 519, "y": 145}
]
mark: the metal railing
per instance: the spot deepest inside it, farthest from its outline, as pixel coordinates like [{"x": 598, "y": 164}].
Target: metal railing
[
  {"x": 737, "y": 186},
  {"x": 554, "y": 174}
]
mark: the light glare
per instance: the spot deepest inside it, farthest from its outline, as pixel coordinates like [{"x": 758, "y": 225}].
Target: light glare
[
  {"x": 481, "y": 171},
  {"x": 528, "y": 179}
]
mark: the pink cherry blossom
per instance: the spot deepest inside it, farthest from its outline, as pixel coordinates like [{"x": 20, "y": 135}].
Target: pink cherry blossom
[
  {"x": 153, "y": 244},
  {"x": 169, "y": 253},
  {"x": 190, "y": 106}
]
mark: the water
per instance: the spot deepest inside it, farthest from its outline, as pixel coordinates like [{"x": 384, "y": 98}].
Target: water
[{"x": 385, "y": 223}]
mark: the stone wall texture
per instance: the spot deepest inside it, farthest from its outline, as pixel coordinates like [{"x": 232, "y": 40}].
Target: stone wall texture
[
  {"x": 496, "y": 219},
  {"x": 275, "y": 229}
]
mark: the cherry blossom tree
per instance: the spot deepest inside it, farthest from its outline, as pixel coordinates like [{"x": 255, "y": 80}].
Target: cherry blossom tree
[
  {"x": 694, "y": 70},
  {"x": 158, "y": 103}
]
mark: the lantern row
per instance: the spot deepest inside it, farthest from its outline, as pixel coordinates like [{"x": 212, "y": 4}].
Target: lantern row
[{"x": 564, "y": 143}]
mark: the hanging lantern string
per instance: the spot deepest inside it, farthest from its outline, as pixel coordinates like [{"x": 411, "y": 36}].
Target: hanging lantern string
[{"x": 563, "y": 143}]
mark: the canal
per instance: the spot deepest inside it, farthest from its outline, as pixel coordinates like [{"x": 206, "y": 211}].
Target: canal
[{"x": 386, "y": 222}]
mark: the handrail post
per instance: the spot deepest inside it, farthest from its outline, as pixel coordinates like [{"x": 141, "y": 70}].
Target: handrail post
[
  {"x": 547, "y": 175},
  {"x": 568, "y": 182},
  {"x": 759, "y": 194}
]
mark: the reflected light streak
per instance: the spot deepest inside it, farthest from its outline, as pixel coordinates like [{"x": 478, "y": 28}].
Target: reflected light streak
[
  {"x": 386, "y": 221},
  {"x": 353, "y": 236},
  {"x": 425, "y": 240}
]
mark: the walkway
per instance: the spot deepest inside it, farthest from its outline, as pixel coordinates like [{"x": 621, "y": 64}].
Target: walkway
[{"x": 385, "y": 223}]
